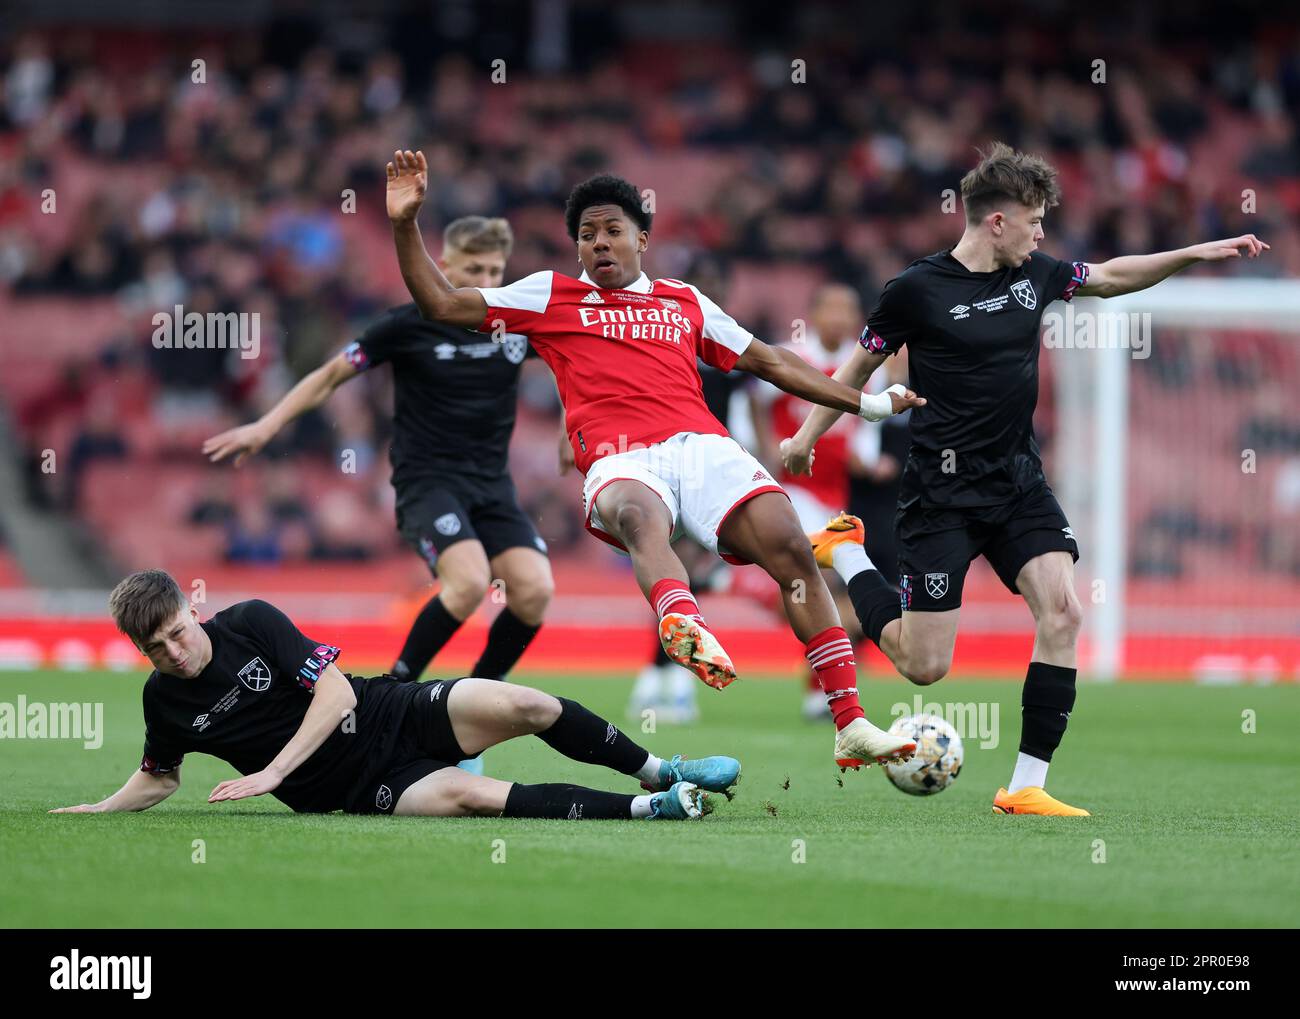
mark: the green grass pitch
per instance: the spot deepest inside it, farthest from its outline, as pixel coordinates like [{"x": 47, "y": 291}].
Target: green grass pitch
[{"x": 1195, "y": 825}]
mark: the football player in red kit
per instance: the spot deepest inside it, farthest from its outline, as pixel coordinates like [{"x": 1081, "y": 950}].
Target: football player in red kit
[{"x": 623, "y": 349}]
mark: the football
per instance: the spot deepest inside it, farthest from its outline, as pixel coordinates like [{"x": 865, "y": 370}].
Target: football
[{"x": 938, "y": 758}]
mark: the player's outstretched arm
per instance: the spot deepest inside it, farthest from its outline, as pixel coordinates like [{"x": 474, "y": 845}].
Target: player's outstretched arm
[
  {"x": 141, "y": 791},
  {"x": 332, "y": 699},
  {"x": 1130, "y": 273},
  {"x": 437, "y": 299},
  {"x": 311, "y": 391},
  {"x": 797, "y": 451}
]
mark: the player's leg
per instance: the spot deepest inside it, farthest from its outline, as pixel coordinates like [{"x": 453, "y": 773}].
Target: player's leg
[
  {"x": 1047, "y": 583},
  {"x": 438, "y": 526},
  {"x": 638, "y": 519},
  {"x": 748, "y": 518},
  {"x": 916, "y": 627},
  {"x": 517, "y": 556},
  {"x": 1034, "y": 554},
  {"x": 813, "y": 514},
  {"x": 663, "y": 686},
  {"x": 453, "y": 793},
  {"x": 631, "y": 504},
  {"x": 525, "y": 574},
  {"x": 482, "y": 714}
]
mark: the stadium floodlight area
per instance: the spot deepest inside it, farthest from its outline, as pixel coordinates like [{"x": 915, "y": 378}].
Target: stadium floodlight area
[{"x": 1176, "y": 453}]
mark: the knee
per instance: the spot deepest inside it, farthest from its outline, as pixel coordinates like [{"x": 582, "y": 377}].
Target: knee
[
  {"x": 636, "y": 525},
  {"x": 789, "y": 557},
  {"x": 926, "y": 670},
  {"x": 464, "y": 589},
  {"x": 1060, "y": 626},
  {"x": 472, "y": 798},
  {"x": 528, "y": 596},
  {"x": 531, "y": 710}
]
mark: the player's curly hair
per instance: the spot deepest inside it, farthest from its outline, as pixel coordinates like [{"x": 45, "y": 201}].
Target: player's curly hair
[
  {"x": 606, "y": 189},
  {"x": 143, "y": 602},
  {"x": 1005, "y": 175}
]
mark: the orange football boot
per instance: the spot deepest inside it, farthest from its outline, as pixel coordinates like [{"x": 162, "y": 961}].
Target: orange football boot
[
  {"x": 1033, "y": 799},
  {"x": 842, "y": 528}
]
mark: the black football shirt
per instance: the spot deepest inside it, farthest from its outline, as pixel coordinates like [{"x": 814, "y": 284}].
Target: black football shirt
[
  {"x": 972, "y": 340},
  {"x": 250, "y": 700},
  {"x": 454, "y": 394}
]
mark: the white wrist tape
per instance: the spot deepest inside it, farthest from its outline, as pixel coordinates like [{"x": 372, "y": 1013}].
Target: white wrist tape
[{"x": 876, "y": 406}]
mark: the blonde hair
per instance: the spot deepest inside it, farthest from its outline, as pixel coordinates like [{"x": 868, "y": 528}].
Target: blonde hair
[
  {"x": 1005, "y": 175},
  {"x": 477, "y": 235}
]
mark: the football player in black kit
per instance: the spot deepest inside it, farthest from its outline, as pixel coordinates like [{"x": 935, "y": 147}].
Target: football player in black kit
[
  {"x": 454, "y": 410},
  {"x": 974, "y": 482},
  {"x": 249, "y": 688}
]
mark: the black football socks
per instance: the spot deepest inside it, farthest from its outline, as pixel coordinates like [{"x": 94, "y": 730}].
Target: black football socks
[
  {"x": 507, "y": 640},
  {"x": 432, "y": 628},
  {"x": 875, "y": 600},
  {"x": 1045, "y": 707},
  {"x": 583, "y": 736},
  {"x": 572, "y": 802}
]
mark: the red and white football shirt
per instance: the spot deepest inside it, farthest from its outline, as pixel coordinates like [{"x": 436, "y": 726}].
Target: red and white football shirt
[
  {"x": 624, "y": 359},
  {"x": 829, "y": 482}
]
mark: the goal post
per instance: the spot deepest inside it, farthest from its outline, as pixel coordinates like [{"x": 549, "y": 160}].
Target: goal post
[{"x": 1189, "y": 565}]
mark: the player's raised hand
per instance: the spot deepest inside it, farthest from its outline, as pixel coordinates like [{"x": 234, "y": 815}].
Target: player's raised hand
[
  {"x": 1232, "y": 247},
  {"x": 408, "y": 179},
  {"x": 796, "y": 458},
  {"x": 241, "y": 442},
  {"x": 257, "y": 784}
]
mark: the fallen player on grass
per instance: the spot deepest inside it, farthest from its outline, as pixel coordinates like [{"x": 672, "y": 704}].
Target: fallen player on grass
[{"x": 249, "y": 688}]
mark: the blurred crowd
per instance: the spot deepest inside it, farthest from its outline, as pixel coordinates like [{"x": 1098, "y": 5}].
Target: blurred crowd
[{"x": 224, "y": 185}]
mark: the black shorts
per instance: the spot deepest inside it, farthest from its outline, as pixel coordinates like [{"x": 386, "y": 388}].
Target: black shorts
[
  {"x": 433, "y": 516},
  {"x": 936, "y": 544},
  {"x": 425, "y": 743}
]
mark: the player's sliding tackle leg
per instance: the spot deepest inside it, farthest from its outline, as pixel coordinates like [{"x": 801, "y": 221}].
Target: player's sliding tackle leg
[
  {"x": 920, "y": 645},
  {"x": 765, "y": 530},
  {"x": 484, "y": 713},
  {"x": 638, "y": 518}
]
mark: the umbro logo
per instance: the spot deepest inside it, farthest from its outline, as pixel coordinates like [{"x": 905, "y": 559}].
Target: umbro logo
[
  {"x": 593, "y": 297},
  {"x": 1068, "y": 532},
  {"x": 610, "y": 733},
  {"x": 959, "y": 312},
  {"x": 199, "y": 722},
  {"x": 435, "y": 691},
  {"x": 575, "y": 812},
  {"x": 384, "y": 798}
]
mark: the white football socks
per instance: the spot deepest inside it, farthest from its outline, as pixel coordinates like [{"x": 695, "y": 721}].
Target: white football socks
[
  {"x": 650, "y": 770},
  {"x": 1030, "y": 771},
  {"x": 640, "y": 806},
  {"x": 849, "y": 559}
]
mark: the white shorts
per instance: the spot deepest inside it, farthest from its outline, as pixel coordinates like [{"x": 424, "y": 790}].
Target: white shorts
[
  {"x": 813, "y": 514},
  {"x": 700, "y": 478}
]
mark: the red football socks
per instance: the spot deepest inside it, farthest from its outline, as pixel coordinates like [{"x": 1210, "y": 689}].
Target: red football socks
[
  {"x": 673, "y": 596},
  {"x": 830, "y": 653}
]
